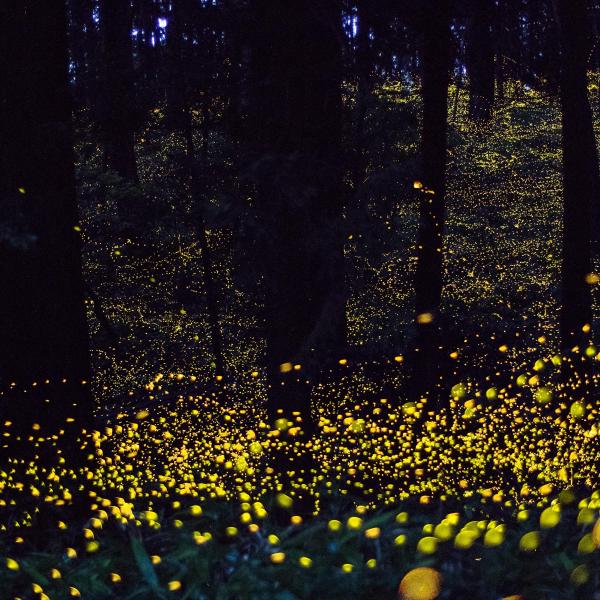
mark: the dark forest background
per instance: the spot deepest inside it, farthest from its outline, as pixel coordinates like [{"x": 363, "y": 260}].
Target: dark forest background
[{"x": 257, "y": 192}]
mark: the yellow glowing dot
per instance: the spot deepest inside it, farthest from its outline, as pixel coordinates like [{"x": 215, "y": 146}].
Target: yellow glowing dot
[
  {"x": 305, "y": 562},
  {"x": 586, "y": 544},
  {"x": 422, "y": 583},
  {"x": 277, "y": 557},
  {"x": 493, "y": 537},
  {"x": 12, "y": 564},
  {"x": 284, "y": 501},
  {"x": 596, "y": 534},
  {"x": 347, "y": 568},
  {"x": 424, "y": 318},
  {"x": 592, "y": 278},
  {"x": 73, "y": 591},
  {"x": 543, "y": 395},
  {"x": 115, "y": 577},
  {"x": 92, "y": 547},
  {"x": 174, "y": 585},
  {"x": 417, "y": 185},
  {"x": 465, "y": 539},
  {"x": 286, "y": 367},
  {"x": 443, "y": 531},
  {"x": 530, "y": 541},
  {"x": 550, "y": 517},
  {"x": 373, "y": 533},
  {"x": 580, "y": 575},
  {"x": 334, "y": 525},
  {"x": 427, "y": 545},
  {"x": 402, "y": 517},
  {"x": 577, "y": 410},
  {"x": 354, "y": 523}
]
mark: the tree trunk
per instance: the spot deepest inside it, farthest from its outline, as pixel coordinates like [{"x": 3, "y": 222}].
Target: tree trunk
[
  {"x": 297, "y": 114},
  {"x": 580, "y": 171},
  {"x": 480, "y": 60},
  {"x": 177, "y": 115},
  {"x": 42, "y": 317},
  {"x": 428, "y": 280},
  {"x": 78, "y": 43},
  {"x": 118, "y": 106},
  {"x": 180, "y": 118},
  {"x": 363, "y": 73}
]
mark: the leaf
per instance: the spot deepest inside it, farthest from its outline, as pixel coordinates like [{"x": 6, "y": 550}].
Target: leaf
[
  {"x": 145, "y": 565},
  {"x": 34, "y": 573}
]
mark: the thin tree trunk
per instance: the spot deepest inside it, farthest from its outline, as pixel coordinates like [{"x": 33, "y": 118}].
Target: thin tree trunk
[
  {"x": 118, "y": 105},
  {"x": 78, "y": 43},
  {"x": 480, "y": 60},
  {"x": 580, "y": 172},
  {"x": 428, "y": 280},
  {"x": 181, "y": 118},
  {"x": 363, "y": 68}
]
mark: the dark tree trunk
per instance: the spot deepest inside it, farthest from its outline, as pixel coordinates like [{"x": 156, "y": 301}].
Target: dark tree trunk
[
  {"x": 78, "y": 43},
  {"x": 177, "y": 115},
  {"x": 499, "y": 29},
  {"x": 428, "y": 280},
  {"x": 297, "y": 114},
  {"x": 363, "y": 73},
  {"x": 180, "y": 118},
  {"x": 148, "y": 51},
  {"x": 118, "y": 119},
  {"x": 480, "y": 60},
  {"x": 580, "y": 171},
  {"x": 42, "y": 317}
]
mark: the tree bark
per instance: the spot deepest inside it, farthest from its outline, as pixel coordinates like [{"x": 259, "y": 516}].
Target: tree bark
[
  {"x": 118, "y": 107},
  {"x": 43, "y": 324},
  {"x": 177, "y": 115},
  {"x": 180, "y": 118},
  {"x": 297, "y": 113},
  {"x": 480, "y": 60},
  {"x": 363, "y": 72},
  {"x": 580, "y": 171},
  {"x": 428, "y": 280}
]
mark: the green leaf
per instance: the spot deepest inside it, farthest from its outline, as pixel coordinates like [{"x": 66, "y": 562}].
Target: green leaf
[{"x": 145, "y": 565}]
